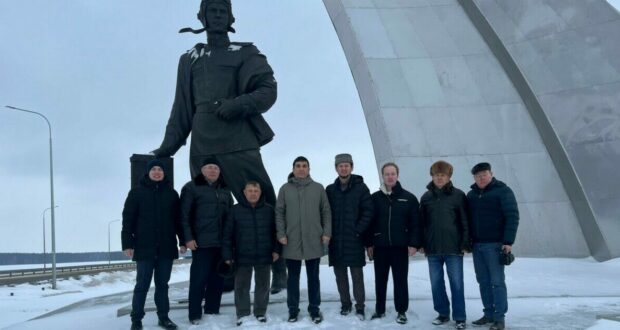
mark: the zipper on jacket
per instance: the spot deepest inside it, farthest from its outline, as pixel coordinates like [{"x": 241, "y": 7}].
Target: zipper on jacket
[{"x": 390, "y": 222}]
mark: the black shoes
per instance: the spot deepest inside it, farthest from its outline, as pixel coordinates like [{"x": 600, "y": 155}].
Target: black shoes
[
  {"x": 195, "y": 321},
  {"x": 167, "y": 324},
  {"x": 401, "y": 318},
  {"x": 482, "y": 321},
  {"x": 377, "y": 315},
  {"x": 360, "y": 314},
  {"x": 345, "y": 310},
  {"x": 441, "y": 320},
  {"x": 276, "y": 290},
  {"x": 292, "y": 316},
  {"x": 498, "y": 325},
  {"x": 461, "y": 325},
  {"x": 136, "y": 325},
  {"x": 240, "y": 320},
  {"x": 316, "y": 317},
  {"x": 261, "y": 318}
]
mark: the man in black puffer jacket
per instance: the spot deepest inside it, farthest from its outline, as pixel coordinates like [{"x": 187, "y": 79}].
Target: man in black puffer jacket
[
  {"x": 205, "y": 204},
  {"x": 352, "y": 209},
  {"x": 494, "y": 218},
  {"x": 250, "y": 243},
  {"x": 394, "y": 235},
  {"x": 443, "y": 212},
  {"x": 151, "y": 225}
]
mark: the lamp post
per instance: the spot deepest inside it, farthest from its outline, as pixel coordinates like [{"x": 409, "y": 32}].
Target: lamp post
[
  {"x": 49, "y": 126},
  {"x": 44, "y": 261},
  {"x": 109, "y": 252}
]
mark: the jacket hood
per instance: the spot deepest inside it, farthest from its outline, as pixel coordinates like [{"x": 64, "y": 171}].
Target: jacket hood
[
  {"x": 492, "y": 185},
  {"x": 300, "y": 182}
]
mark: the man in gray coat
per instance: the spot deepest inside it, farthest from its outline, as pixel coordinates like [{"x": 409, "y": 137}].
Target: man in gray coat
[{"x": 303, "y": 223}]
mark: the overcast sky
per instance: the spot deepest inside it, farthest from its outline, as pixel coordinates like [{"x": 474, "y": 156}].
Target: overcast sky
[{"x": 104, "y": 73}]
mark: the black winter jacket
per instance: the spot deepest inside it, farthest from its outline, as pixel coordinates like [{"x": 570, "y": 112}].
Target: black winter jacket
[
  {"x": 352, "y": 211},
  {"x": 493, "y": 213},
  {"x": 151, "y": 221},
  {"x": 444, "y": 220},
  {"x": 250, "y": 235},
  {"x": 396, "y": 220},
  {"x": 204, "y": 210}
]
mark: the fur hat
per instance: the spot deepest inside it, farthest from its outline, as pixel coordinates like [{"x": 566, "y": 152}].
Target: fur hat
[
  {"x": 442, "y": 167},
  {"x": 480, "y": 167},
  {"x": 343, "y": 158}
]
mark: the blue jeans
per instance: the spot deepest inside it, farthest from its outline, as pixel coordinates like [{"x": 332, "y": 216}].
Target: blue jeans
[
  {"x": 144, "y": 273},
  {"x": 491, "y": 279},
  {"x": 314, "y": 285},
  {"x": 454, "y": 266}
]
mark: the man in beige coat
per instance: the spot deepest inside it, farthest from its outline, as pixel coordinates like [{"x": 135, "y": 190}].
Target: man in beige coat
[{"x": 303, "y": 223}]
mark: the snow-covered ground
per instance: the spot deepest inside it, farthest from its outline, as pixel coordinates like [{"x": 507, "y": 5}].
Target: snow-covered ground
[{"x": 543, "y": 294}]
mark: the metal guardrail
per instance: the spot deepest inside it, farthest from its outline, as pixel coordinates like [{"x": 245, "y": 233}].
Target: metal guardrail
[
  {"x": 66, "y": 269},
  {"x": 33, "y": 275}
]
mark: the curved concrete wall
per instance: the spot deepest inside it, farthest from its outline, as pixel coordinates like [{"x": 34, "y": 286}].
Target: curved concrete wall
[{"x": 433, "y": 87}]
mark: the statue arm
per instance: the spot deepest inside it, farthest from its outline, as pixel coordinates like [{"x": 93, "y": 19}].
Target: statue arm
[
  {"x": 258, "y": 87},
  {"x": 182, "y": 114}
]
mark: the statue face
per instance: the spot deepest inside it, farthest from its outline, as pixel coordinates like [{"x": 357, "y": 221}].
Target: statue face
[{"x": 217, "y": 16}]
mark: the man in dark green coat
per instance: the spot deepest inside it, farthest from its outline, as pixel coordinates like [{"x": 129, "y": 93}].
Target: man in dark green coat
[{"x": 304, "y": 228}]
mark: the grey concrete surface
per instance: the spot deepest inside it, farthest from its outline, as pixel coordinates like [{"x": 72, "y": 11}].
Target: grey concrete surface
[{"x": 433, "y": 86}]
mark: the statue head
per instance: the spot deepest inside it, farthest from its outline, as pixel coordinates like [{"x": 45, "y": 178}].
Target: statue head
[{"x": 213, "y": 10}]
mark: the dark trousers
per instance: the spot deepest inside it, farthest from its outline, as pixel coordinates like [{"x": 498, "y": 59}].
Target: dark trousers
[
  {"x": 243, "y": 281},
  {"x": 278, "y": 269},
  {"x": 342, "y": 281},
  {"x": 314, "y": 285},
  {"x": 491, "y": 279},
  {"x": 144, "y": 273},
  {"x": 396, "y": 258},
  {"x": 204, "y": 282},
  {"x": 237, "y": 168}
]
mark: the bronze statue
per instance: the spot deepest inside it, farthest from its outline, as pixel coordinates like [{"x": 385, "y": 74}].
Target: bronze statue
[{"x": 222, "y": 90}]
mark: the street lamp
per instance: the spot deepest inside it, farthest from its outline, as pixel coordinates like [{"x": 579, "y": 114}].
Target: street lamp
[
  {"x": 49, "y": 126},
  {"x": 109, "y": 252},
  {"x": 49, "y": 208}
]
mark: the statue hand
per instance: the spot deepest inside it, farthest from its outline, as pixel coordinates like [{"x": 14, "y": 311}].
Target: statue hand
[
  {"x": 159, "y": 153},
  {"x": 231, "y": 109}
]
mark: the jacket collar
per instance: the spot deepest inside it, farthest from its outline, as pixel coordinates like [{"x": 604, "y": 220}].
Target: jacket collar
[
  {"x": 396, "y": 190},
  {"x": 300, "y": 182},
  {"x": 200, "y": 180},
  {"x": 353, "y": 180},
  {"x": 492, "y": 185},
  {"x": 147, "y": 182},
  {"x": 447, "y": 189}
]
